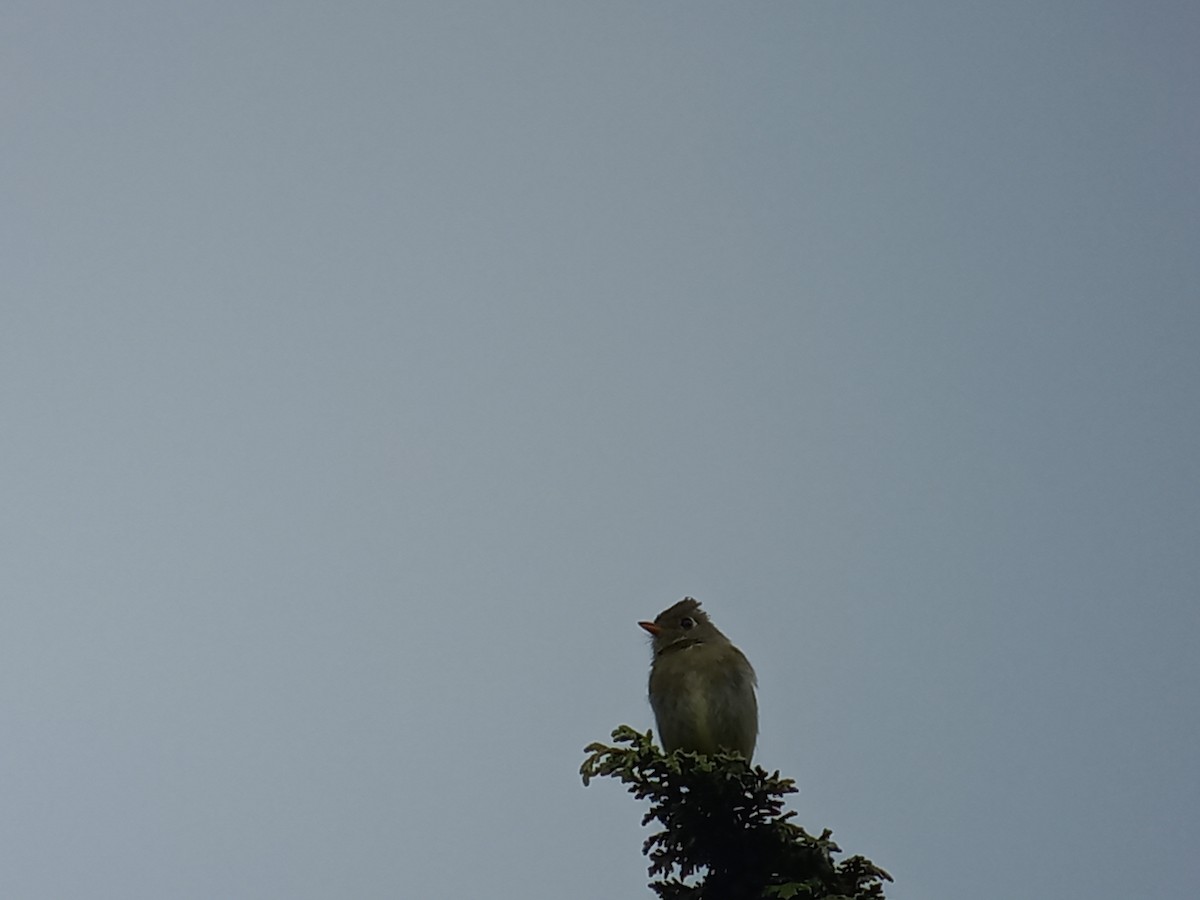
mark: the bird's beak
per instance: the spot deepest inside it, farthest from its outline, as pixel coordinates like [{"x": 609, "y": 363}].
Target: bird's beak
[{"x": 652, "y": 628}]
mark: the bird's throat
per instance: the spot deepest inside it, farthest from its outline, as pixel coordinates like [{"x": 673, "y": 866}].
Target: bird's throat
[{"x": 679, "y": 646}]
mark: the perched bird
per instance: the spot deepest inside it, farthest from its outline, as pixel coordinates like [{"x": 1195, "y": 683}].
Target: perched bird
[{"x": 701, "y": 686}]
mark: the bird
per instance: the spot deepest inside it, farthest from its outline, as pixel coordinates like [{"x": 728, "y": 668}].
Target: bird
[{"x": 701, "y": 686}]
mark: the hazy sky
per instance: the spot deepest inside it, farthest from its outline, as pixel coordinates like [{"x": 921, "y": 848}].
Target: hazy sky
[{"x": 369, "y": 369}]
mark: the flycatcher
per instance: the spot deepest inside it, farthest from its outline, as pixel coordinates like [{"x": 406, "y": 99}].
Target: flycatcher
[{"x": 701, "y": 686}]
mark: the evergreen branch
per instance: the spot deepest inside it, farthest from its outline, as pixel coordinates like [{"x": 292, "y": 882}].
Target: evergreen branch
[{"x": 724, "y": 821}]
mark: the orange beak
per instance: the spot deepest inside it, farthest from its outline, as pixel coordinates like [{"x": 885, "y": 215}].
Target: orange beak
[{"x": 651, "y": 627}]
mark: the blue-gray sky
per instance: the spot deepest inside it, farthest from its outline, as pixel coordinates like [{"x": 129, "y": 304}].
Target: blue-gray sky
[{"x": 369, "y": 369}]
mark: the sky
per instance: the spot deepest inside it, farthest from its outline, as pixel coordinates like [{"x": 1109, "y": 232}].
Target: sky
[{"x": 368, "y": 370}]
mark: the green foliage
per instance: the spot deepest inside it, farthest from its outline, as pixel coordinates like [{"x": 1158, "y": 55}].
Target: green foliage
[{"x": 724, "y": 820}]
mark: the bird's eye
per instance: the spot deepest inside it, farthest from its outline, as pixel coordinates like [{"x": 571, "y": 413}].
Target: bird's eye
[{"x": 686, "y": 622}]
